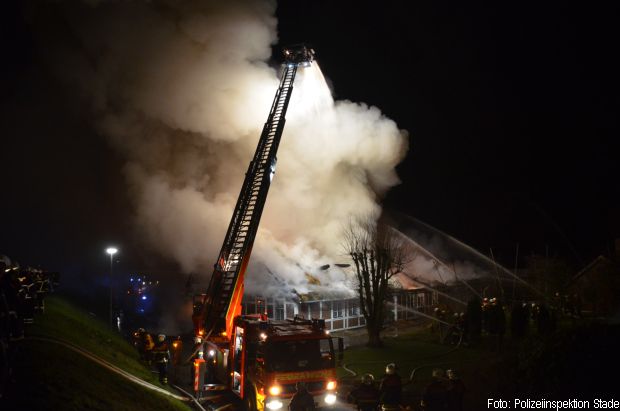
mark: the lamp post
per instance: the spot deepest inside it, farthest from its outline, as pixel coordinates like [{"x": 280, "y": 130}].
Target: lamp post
[{"x": 111, "y": 251}]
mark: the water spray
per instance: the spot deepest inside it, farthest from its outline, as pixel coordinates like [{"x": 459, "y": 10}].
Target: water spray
[
  {"x": 478, "y": 254},
  {"x": 413, "y": 310}
]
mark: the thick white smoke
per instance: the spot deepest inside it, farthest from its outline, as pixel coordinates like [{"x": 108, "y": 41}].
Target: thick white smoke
[{"x": 182, "y": 90}]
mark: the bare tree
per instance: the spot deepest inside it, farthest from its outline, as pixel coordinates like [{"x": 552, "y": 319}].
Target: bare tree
[{"x": 378, "y": 253}]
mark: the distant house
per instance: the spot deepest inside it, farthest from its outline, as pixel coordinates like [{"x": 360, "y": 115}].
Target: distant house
[
  {"x": 340, "y": 312},
  {"x": 598, "y": 286}
]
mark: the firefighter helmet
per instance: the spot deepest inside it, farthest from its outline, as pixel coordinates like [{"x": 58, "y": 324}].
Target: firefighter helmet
[
  {"x": 390, "y": 369},
  {"x": 161, "y": 337},
  {"x": 368, "y": 379},
  {"x": 438, "y": 373}
]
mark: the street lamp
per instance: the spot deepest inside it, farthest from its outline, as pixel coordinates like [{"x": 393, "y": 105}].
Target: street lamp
[{"x": 111, "y": 251}]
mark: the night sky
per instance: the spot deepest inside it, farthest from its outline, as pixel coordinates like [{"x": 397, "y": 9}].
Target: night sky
[{"x": 511, "y": 112}]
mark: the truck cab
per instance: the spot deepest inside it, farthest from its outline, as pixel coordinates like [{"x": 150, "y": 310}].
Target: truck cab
[{"x": 270, "y": 357}]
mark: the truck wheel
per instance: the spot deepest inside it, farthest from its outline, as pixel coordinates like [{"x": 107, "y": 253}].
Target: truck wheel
[{"x": 249, "y": 400}]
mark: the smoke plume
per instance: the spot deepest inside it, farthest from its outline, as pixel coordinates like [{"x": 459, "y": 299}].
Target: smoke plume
[{"x": 182, "y": 89}]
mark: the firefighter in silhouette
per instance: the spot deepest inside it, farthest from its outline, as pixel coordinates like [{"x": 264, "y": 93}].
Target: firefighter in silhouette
[
  {"x": 435, "y": 395},
  {"x": 456, "y": 391},
  {"x": 302, "y": 400},
  {"x": 519, "y": 321},
  {"x": 161, "y": 356},
  {"x": 366, "y": 395},
  {"x": 144, "y": 344},
  {"x": 391, "y": 388}
]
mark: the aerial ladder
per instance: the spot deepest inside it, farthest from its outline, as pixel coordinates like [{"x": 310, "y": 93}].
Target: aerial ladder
[
  {"x": 258, "y": 359},
  {"x": 215, "y": 311}
]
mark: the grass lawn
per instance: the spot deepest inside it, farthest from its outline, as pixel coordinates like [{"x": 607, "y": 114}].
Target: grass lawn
[
  {"x": 52, "y": 377},
  {"x": 419, "y": 349},
  {"x": 562, "y": 365}
]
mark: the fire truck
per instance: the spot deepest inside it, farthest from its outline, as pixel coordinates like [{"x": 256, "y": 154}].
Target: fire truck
[{"x": 257, "y": 359}]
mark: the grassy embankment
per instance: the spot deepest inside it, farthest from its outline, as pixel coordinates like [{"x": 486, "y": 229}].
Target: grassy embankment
[{"x": 52, "y": 377}]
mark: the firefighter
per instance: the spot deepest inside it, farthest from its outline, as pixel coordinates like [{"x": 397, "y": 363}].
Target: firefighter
[
  {"x": 455, "y": 331},
  {"x": 145, "y": 345},
  {"x": 434, "y": 397},
  {"x": 519, "y": 321},
  {"x": 161, "y": 356},
  {"x": 391, "y": 388},
  {"x": 456, "y": 391},
  {"x": 474, "y": 319},
  {"x": 486, "y": 315},
  {"x": 435, "y": 325},
  {"x": 543, "y": 320},
  {"x": 302, "y": 400},
  {"x": 10, "y": 286},
  {"x": 497, "y": 322},
  {"x": 366, "y": 395},
  {"x": 577, "y": 305},
  {"x": 443, "y": 327},
  {"x": 138, "y": 342}
]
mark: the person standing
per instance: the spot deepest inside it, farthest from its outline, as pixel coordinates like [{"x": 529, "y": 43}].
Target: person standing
[
  {"x": 366, "y": 395},
  {"x": 456, "y": 391},
  {"x": 302, "y": 400},
  {"x": 435, "y": 395},
  {"x": 161, "y": 356},
  {"x": 391, "y": 388}
]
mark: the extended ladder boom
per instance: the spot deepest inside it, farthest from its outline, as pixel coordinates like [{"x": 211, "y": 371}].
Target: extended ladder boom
[{"x": 222, "y": 303}]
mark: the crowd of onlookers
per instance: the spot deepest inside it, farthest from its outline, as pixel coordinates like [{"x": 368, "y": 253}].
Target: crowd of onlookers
[{"x": 22, "y": 295}]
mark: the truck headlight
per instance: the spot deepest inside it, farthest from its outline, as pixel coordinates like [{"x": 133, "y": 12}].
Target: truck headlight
[
  {"x": 330, "y": 399},
  {"x": 275, "y": 390},
  {"x": 274, "y": 404}
]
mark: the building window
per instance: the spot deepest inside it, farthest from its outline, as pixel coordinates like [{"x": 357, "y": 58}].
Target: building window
[
  {"x": 354, "y": 311},
  {"x": 411, "y": 301},
  {"x": 420, "y": 300},
  {"x": 279, "y": 311},
  {"x": 337, "y": 309}
]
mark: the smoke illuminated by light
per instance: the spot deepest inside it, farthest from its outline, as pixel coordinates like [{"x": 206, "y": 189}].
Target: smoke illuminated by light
[{"x": 182, "y": 93}]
